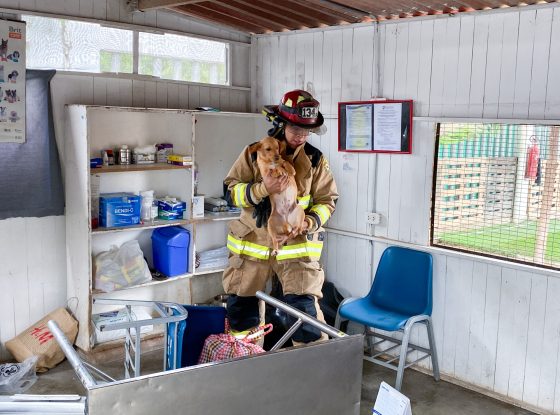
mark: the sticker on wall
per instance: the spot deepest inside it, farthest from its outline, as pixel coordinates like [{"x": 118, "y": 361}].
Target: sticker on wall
[{"x": 12, "y": 81}]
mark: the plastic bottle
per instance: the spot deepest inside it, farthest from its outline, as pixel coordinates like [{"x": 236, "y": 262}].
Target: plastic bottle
[
  {"x": 146, "y": 206},
  {"x": 124, "y": 154},
  {"x": 155, "y": 210}
]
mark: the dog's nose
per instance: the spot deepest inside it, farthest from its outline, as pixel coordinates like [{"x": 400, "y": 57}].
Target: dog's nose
[{"x": 276, "y": 158}]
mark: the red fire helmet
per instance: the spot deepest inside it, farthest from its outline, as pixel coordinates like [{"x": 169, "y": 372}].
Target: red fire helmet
[{"x": 298, "y": 108}]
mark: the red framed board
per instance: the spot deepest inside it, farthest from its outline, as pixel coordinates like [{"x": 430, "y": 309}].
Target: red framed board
[{"x": 377, "y": 126}]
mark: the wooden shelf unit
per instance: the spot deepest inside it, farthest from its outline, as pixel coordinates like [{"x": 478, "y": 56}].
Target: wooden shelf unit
[{"x": 205, "y": 136}]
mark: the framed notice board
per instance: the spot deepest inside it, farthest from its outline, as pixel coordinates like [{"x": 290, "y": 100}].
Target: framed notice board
[{"x": 383, "y": 126}]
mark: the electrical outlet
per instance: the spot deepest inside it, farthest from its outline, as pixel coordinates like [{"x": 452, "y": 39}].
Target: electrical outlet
[{"x": 373, "y": 218}]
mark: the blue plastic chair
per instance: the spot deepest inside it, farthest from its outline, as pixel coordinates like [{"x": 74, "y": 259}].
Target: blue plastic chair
[{"x": 400, "y": 296}]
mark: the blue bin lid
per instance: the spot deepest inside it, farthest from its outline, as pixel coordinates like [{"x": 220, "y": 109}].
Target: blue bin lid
[{"x": 172, "y": 236}]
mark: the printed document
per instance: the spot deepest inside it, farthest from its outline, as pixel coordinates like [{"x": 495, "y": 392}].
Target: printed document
[
  {"x": 391, "y": 402},
  {"x": 387, "y": 126}
]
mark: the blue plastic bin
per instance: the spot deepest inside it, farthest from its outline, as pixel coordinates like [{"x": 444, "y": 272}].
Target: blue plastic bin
[
  {"x": 170, "y": 249},
  {"x": 201, "y": 322}
]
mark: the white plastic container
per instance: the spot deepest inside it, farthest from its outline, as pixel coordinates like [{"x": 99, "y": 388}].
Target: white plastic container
[{"x": 146, "y": 206}]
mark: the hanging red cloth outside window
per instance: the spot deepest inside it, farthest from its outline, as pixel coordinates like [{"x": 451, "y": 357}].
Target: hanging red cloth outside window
[{"x": 531, "y": 168}]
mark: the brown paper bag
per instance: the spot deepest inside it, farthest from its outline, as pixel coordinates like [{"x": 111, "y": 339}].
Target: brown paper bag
[{"x": 38, "y": 340}]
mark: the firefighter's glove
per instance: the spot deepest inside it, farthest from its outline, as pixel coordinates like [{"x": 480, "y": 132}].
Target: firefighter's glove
[{"x": 262, "y": 212}]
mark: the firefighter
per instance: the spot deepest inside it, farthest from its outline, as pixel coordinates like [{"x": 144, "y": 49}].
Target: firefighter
[{"x": 296, "y": 263}]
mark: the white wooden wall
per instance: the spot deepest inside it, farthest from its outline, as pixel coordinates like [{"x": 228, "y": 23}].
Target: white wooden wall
[
  {"x": 497, "y": 324},
  {"x": 32, "y": 250}
]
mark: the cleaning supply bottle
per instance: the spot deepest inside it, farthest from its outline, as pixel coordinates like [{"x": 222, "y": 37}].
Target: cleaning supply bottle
[{"x": 146, "y": 206}]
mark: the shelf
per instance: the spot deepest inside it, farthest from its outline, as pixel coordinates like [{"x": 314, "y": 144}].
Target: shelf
[
  {"x": 208, "y": 271},
  {"x": 218, "y": 216},
  {"x": 146, "y": 284},
  {"x": 156, "y": 224},
  {"x": 120, "y": 168},
  {"x": 163, "y": 281}
]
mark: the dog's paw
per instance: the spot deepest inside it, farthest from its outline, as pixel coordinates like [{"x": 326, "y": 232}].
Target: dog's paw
[
  {"x": 274, "y": 252},
  {"x": 295, "y": 232}
]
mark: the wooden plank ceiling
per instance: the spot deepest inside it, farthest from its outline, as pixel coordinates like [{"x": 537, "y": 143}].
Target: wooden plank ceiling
[{"x": 265, "y": 16}]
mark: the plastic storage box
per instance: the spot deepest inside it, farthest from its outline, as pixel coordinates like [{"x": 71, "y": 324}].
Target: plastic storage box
[
  {"x": 170, "y": 248},
  {"x": 119, "y": 209},
  {"x": 202, "y": 321}
]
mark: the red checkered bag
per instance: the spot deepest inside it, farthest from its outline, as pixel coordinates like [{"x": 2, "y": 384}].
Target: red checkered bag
[{"x": 218, "y": 347}]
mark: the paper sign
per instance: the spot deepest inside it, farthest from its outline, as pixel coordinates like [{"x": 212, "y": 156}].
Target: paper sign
[
  {"x": 358, "y": 127},
  {"x": 391, "y": 402},
  {"x": 387, "y": 126},
  {"x": 12, "y": 81}
]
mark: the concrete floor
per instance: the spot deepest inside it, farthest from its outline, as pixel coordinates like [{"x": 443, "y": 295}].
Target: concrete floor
[{"x": 427, "y": 396}]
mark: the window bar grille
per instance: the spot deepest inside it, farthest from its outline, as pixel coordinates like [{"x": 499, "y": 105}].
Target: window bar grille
[{"x": 495, "y": 191}]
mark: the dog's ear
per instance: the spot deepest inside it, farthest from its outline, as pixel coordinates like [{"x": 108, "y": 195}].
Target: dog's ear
[
  {"x": 282, "y": 144},
  {"x": 253, "y": 148}
]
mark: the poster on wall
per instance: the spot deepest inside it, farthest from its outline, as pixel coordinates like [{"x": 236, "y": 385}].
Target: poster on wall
[
  {"x": 382, "y": 126},
  {"x": 12, "y": 81}
]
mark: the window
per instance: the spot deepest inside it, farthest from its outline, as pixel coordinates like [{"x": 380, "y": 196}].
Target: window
[
  {"x": 79, "y": 46},
  {"x": 496, "y": 191},
  {"x": 183, "y": 58}
]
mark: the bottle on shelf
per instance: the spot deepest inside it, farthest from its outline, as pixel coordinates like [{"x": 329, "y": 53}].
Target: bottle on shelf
[
  {"x": 124, "y": 155},
  {"x": 146, "y": 206}
]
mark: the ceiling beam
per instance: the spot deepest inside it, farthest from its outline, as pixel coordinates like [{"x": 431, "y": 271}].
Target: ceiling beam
[
  {"x": 250, "y": 7},
  {"x": 214, "y": 17},
  {"x": 319, "y": 13},
  {"x": 244, "y": 15},
  {"x": 344, "y": 12},
  {"x": 280, "y": 8},
  {"x": 145, "y": 5}
]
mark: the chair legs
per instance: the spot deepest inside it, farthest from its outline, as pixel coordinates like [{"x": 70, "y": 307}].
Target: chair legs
[
  {"x": 402, "y": 357},
  {"x": 404, "y": 346},
  {"x": 432, "y": 343}
]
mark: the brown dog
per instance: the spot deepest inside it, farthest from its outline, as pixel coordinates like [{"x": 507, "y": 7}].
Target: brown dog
[{"x": 286, "y": 216}]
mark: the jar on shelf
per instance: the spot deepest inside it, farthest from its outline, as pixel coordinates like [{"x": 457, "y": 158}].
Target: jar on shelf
[{"x": 124, "y": 155}]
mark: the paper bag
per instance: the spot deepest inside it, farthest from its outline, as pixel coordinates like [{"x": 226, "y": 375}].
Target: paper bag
[{"x": 37, "y": 340}]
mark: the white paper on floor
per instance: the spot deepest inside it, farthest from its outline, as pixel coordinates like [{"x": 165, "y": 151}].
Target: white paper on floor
[{"x": 391, "y": 402}]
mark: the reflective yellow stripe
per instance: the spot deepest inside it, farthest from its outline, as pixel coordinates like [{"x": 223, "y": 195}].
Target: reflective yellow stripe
[
  {"x": 322, "y": 211},
  {"x": 237, "y": 246},
  {"x": 238, "y": 193},
  {"x": 303, "y": 250},
  {"x": 306, "y": 249},
  {"x": 304, "y": 201}
]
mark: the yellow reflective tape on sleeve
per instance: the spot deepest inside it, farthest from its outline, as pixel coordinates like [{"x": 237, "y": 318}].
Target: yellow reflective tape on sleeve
[
  {"x": 239, "y": 247},
  {"x": 304, "y": 201},
  {"x": 322, "y": 211},
  {"x": 239, "y": 195},
  {"x": 304, "y": 250}
]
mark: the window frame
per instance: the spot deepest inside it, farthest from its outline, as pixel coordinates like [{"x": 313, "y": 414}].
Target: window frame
[
  {"x": 136, "y": 29},
  {"x": 435, "y": 158}
]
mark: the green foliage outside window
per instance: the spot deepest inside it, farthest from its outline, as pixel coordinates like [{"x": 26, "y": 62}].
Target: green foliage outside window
[
  {"x": 106, "y": 62},
  {"x": 186, "y": 70},
  {"x": 168, "y": 67}
]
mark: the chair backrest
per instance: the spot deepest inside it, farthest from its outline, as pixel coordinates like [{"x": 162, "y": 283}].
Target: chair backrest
[{"x": 403, "y": 281}]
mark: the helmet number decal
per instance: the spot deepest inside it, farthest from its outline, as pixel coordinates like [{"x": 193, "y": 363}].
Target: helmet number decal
[{"x": 309, "y": 112}]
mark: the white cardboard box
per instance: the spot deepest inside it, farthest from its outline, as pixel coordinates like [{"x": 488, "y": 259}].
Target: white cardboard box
[{"x": 198, "y": 206}]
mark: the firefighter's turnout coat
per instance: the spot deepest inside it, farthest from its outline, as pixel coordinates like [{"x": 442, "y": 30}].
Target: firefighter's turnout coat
[{"x": 250, "y": 246}]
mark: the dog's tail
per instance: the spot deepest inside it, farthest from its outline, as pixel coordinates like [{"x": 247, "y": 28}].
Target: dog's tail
[{"x": 287, "y": 228}]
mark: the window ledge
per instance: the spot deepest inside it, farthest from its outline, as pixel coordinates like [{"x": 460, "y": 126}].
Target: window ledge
[{"x": 137, "y": 77}]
